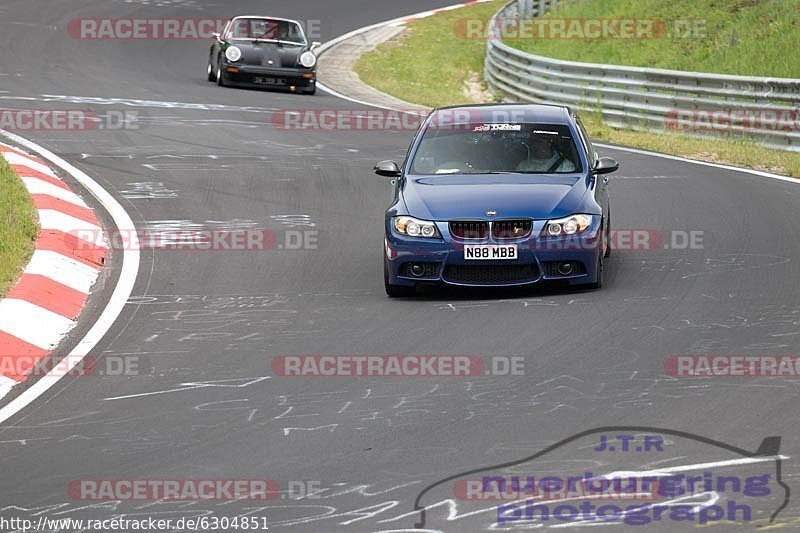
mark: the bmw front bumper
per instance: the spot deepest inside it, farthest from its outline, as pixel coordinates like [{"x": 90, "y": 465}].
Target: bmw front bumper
[{"x": 569, "y": 259}]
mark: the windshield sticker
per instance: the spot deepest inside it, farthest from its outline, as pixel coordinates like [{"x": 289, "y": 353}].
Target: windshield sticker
[{"x": 498, "y": 127}]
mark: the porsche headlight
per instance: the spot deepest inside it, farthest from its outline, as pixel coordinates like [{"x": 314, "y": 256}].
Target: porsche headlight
[
  {"x": 413, "y": 227},
  {"x": 233, "y": 54},
  {"x": 308, "y": 59},
  {"x": 570, "y": 225}
]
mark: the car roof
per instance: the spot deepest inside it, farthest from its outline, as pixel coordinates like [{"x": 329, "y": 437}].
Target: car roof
[
  {"x": 263, "y": 17},
  {"x": 533, "y": 113}
]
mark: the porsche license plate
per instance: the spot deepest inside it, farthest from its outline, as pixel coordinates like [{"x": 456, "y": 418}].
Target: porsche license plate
[
  {"x": 490, "y": 251},
  {"x": 261, "y": 80}
]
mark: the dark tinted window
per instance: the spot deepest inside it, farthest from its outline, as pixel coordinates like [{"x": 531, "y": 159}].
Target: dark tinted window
[
  {"x": 479, "y": 148},
  {"x": 266, "y": 30}
]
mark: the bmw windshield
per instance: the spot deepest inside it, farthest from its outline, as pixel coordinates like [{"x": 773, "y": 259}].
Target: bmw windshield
[{"x": 486, "y": 148}]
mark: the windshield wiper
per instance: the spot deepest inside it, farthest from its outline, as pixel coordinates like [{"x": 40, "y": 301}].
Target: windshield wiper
[
  {"x": 277, "y": 41},
  {"x": 487, "y": 172},
  {"x": 543, "y": 172}
]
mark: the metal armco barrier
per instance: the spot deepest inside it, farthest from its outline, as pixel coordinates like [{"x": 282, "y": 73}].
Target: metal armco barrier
[{"x": 645, "y": 98}]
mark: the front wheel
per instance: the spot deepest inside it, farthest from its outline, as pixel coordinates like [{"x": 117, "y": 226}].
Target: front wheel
[
  {"x": 210, "y": 74},
  {"x": 395, "y": 291},
  {"x": 311, "y": 90},
  {"x": 598, "y": 283},
  {"x": 220, "y": 79}
]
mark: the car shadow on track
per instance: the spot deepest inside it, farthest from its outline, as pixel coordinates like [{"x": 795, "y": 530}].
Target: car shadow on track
[
  {"x": 443, "y": 292},
  {"x": 547, "y": 289}
]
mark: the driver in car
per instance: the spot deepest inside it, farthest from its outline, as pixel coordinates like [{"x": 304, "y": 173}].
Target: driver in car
[{"x": 543, "y": 156}]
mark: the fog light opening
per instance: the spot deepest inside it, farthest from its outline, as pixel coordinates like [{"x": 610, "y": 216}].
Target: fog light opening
[
  {"x": 565, "y": 269},
  {"x": 417, "y": 270}
]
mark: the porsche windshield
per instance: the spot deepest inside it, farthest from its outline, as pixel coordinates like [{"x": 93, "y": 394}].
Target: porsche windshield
[
  {"x": 482, "y": 148},
  {"x": 262, "y": 29}
]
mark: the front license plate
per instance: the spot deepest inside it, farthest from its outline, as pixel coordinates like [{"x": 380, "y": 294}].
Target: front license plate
[
  {"x": 269, "y": 81},
  {"x": 490, "y": 251}
]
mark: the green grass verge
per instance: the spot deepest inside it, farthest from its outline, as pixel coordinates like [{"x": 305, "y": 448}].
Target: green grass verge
[
  {"x": 428, "y": 64},
  {"x": 18, "y": 227},
  {"x": 741, "y": 37},
  {"x": 740, "y": 153},
  {"x": 431, "y": 65}
]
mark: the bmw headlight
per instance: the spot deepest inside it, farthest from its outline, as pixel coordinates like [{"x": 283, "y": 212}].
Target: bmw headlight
[
  {"x": 308, "y": 59},
  {"x": 413, "y": 227},
  {"x": 233, "y": 54},
  {"x": 570, "y": 225}
]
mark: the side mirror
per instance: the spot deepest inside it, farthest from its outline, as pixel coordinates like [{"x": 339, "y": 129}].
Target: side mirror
[
  {"x": 605, "y": 165},
  {"x": 314, "y": 45},
  {"x": 388, "y": 169},
  {"x": 215, "y": 35}
]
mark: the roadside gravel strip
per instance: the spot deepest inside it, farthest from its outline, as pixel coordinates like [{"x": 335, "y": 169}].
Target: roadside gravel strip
[{"x": 46, "y": 301}]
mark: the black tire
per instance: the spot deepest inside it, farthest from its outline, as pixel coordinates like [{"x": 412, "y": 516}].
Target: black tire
[
  {"x": 600, "y": 271},
  {"x": 210, "y": 74},
  {"x": 218, "y": 77},
  {"x": 608, "y": 237},
  {"x": 395, "y": 291},
  {"x": 312, "y": 91}
]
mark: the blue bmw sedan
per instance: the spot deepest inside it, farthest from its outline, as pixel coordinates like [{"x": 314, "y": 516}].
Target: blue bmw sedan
[{"x": 497, "y": 195}]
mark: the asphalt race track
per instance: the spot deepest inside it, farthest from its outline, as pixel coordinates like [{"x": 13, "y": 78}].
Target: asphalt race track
[{"x": 215, "y": 320}]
